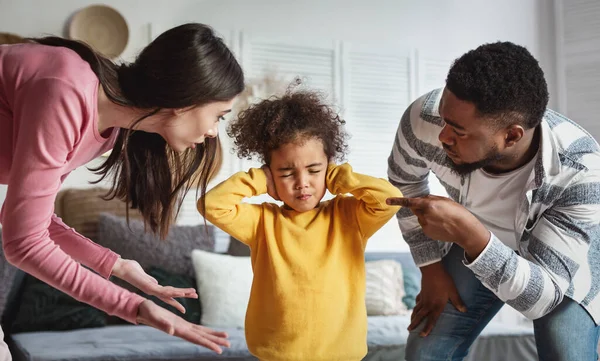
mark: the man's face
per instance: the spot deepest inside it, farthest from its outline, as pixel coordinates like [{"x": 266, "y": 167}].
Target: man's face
[{"x": 469, "y": 139}]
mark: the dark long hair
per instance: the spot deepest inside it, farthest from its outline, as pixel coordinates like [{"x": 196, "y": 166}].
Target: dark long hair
[{"x": 184, "y": 67}]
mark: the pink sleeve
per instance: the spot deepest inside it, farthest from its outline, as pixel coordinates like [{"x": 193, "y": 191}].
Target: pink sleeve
[
  {"x": 49, "y": 123},
  {"x": 82, "y": 249}
]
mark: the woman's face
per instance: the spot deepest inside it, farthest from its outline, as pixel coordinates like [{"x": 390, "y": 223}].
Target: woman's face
[{"x": 184, "y": 128}]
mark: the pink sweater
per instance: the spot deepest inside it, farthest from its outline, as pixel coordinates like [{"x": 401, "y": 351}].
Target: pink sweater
[{"x": 49, "y": 127}]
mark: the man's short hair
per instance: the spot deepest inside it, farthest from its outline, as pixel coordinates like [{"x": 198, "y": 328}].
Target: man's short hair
[{"x": 504, "y": 81}]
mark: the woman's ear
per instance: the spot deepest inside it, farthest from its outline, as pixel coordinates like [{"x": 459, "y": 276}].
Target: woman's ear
[{"x": 180, "y": 111}]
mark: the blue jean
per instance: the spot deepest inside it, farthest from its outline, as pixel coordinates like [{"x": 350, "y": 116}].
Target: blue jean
[{"x": 567, "y": 333}]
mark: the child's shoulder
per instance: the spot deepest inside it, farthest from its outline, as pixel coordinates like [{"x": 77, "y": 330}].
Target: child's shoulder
[{"x": 340, "y": 201}]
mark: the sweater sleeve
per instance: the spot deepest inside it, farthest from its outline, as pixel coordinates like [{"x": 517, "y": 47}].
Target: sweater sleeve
[
  {"x": 82, "y": 249},
  {"x": 368, "y": 208},
  {"x": 224, "y": 207},
  {"x": 408, "y": 170},
  {"x": 49, "y": 117}
]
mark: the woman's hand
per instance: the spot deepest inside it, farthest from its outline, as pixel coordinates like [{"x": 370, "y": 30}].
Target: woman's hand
[
  {"x": 131, "y": 272},
  {"x": 271, "y": 190},
  {"x": 149, "y": 313}
]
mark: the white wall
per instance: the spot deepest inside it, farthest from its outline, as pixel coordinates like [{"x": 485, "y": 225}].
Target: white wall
[{"x": 446, "y": 28}]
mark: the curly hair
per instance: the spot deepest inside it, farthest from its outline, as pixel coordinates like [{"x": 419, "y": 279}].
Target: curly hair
[
  {"x": 504, "y": 81},
  {"x": 295, "y": 116}
]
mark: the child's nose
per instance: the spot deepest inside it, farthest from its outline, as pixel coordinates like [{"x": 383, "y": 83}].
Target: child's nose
[{"x": 301, "y": 182}]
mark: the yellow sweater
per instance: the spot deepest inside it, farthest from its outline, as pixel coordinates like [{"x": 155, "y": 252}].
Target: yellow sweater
[{"x": 307, "y": 301}]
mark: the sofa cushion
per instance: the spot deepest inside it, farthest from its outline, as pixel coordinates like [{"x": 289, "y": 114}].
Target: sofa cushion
[
  {"x": 237, "y": 248},
  {"x": 386, "y": 340},
  {"x": 44, "y": 308},
  {"x": 139, "y": 343},
  {"x": 224, "y": 284},
  {"x": 7, "y": 276},
  {"x": 384, "y": 288},
  {"x": 81, "y": 209},
  {"x": 192, "y": 305},
  {"x": 172, "y": 254},
  {"x": 410, "y": 273}
]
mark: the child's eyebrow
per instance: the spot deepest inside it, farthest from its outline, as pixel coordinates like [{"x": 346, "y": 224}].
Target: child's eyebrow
[{"x": 288, "y": 168}]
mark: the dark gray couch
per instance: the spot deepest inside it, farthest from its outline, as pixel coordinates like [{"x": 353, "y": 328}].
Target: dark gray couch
[
  {"x": 386, "y": 335},
  {"x": 127, "y": 342},
  {"x": 386, "y": 339}
]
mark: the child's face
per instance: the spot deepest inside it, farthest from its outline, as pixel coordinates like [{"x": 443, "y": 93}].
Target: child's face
[{"x": 299, "y": 170}]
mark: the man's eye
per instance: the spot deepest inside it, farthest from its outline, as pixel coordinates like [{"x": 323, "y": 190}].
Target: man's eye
[{"x": 457, "y": 133}]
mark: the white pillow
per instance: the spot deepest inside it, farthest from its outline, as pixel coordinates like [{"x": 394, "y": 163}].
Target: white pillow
[
  {"x": 224, "y": 284},
  {"x": 385, "y": 288}
]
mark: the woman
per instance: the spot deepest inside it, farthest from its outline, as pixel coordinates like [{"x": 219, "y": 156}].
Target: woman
[{"x": 62, "y": 105}]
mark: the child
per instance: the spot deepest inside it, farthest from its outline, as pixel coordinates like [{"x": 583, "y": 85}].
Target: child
[{"x": 308, "y": 296}]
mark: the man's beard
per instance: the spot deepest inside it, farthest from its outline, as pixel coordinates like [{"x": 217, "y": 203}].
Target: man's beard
[{"x": 464, "y": 169}]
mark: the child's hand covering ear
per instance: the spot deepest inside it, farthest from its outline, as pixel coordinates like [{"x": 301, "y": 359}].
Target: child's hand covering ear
[
  {"x": 330, "y": 177},
  {"x": 271, "y": 189}
]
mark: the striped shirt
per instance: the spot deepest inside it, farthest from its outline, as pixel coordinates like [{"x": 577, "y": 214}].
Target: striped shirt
[{"x": 557, "y": 223}]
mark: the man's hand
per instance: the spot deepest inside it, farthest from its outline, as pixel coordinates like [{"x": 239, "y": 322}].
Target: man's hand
[
  {"x": 131, "y": 272},
  {"x": 445, "y": 220},
  {"x": 271, "y": 190},
  {"x": 149, "y": 313},
  {"x": 437, "y": 287}
]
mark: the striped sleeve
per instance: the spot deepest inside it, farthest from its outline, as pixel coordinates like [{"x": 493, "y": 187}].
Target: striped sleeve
[
  {"x": 409, "y": 171},
  {"x": 558, "y": 249}
]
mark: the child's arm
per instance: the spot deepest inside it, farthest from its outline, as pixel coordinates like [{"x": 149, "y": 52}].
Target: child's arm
[
  {"x": 224, "y": 207},
  {"x": 367, "y": 208}
]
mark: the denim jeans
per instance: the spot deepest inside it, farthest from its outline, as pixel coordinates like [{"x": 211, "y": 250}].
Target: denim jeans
[{"x": 567, "y": 333}]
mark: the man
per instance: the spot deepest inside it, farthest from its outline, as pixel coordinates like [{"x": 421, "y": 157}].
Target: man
[{"x": 522, "y": 224}]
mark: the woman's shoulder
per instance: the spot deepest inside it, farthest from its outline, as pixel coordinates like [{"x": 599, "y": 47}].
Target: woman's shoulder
[{"x": 35, "y": 62}]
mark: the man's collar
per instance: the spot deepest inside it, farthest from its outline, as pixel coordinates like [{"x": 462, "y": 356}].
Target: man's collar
[{"x": 548, "y": 160}]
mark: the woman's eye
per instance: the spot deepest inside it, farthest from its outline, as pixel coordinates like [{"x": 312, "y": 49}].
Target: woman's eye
[{"x": 314, "y": 171}]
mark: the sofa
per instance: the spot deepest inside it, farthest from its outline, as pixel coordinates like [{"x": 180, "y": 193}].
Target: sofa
[{"x": 84, "y": 210}]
